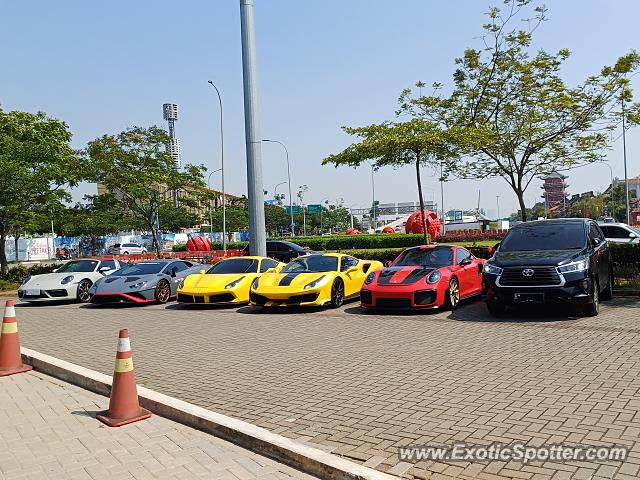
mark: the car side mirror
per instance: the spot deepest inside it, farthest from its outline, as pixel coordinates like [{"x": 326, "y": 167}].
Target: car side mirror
[
  {"x": 633, "y": 235},
  {"x": 351, "y": 270},
  {"x": 104, "y": 269},
  {"x": 387, "y": 263},
  {"x": 464, "y": 262},
  {"x": 54, "y": 270},
  {"x": 270, "y": 270},
  {"x": 202, "y": 272},
  {"x": 172, "y": 273}
]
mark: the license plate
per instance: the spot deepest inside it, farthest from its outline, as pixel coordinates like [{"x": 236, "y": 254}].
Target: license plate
[
  {"x": 528, "y": 297},
  {"x": 32, "y": 293}
]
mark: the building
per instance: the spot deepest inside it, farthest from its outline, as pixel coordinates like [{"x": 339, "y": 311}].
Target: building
[{"x": 555, "y": 195}]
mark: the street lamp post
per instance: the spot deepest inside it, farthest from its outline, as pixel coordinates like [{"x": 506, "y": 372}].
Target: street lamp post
[
  {"x": 211, "y": 208},
  {"x": 373, "y": 197},
  {"x": 288, "y": 179},
  {"x": 224, "y": 199},
  {"x": 624, "y": 155}
]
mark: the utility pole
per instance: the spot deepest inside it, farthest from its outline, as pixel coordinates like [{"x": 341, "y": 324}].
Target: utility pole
[
  {"x": 624, "y": 155},
  {"x": 224, "y": 197},
  {"x": 255, "y": 191}
]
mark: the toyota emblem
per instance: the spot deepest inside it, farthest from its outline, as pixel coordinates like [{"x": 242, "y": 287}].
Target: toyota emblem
[{"x": 528, "y": 272}]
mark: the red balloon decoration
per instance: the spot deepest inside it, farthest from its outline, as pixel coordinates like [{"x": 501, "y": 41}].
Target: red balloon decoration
[
  {"x": 353, "y": 231},
  {"x": 388, "y": 230},
  {"x": 414, "y": 223}
]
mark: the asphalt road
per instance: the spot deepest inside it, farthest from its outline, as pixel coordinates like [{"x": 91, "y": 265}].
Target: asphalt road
[{"x": 361, "y": 385}]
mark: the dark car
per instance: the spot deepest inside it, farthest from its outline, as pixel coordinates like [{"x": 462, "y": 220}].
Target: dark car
[
  {"x": 550, "y": 261},
  {"x": 282, "y": 251}
]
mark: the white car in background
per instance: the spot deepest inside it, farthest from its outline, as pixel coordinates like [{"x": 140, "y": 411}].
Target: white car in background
[
  {"x": 620, "y": 232},
  {"x": 126, "y": 249},
  {"x": 72, "y": 281}
]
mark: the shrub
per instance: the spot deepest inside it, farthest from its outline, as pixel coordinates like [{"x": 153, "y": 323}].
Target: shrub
[
  {"x": 387, "y": 254},
  {"x": 179, "y": 247},
  {"x": 19, "y": 272}
]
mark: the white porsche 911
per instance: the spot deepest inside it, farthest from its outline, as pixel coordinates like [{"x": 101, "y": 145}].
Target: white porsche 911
[{"x": 71, "y": 281}]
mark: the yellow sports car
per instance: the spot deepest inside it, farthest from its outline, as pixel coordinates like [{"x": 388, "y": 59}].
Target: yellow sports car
[
  {"x": 323, "y": 279},
  {"x": 227, "y": 282}
]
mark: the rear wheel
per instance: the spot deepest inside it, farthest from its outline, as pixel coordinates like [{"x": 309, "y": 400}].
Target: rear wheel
[
  {"x": 452, "y": 295},
  {"x": 593, "y": 308},
  {"x": 83, "y": 294},
  {"x": 163, "y": 292},
  {"x": 607, "y": 293},
  {"x": 337, "y": 293}
]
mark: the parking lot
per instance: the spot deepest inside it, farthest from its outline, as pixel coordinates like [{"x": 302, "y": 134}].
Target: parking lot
[{"x": 361, "y": 385}]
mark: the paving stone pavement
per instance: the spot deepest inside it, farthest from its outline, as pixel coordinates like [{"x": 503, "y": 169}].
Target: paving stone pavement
[
  {"x": 47, "y": 431},
  {"x": 361, "y": 385}
]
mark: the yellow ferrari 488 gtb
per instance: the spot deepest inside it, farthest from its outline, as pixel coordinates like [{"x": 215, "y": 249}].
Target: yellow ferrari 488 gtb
[
  {"x": 227, "y": 282},
  {"x": 323, "y": 279}
]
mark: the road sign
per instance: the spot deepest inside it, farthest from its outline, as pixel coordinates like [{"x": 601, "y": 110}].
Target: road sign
[
  {"x": 314, "y": 209},
  {"x": 295, "y": 208}
]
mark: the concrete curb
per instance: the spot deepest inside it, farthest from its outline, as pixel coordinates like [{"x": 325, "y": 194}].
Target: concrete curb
[{"x": 312, "y": 461}]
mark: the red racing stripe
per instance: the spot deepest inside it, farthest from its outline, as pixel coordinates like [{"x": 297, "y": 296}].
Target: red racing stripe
[{"x": 401, "y": 275}]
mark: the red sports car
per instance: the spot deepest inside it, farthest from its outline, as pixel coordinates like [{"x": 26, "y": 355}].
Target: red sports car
[{"x": 427, "y": 276}]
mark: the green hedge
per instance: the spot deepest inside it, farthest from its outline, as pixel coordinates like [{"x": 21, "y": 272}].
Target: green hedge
[
  {"x": 365, "y": 241},
  {"x": 387, "y": 254},
  {"x": 19, "y": 272}
]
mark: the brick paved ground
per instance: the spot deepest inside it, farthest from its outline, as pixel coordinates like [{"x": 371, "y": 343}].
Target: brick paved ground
[
  {"x": 361, "y": 385},
  {"x": 47, "y": 431}
]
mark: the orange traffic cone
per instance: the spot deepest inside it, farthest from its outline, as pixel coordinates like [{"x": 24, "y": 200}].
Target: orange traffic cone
[
  {"x": 123, "y": 402},
  {"x": 10, "y": 358}
]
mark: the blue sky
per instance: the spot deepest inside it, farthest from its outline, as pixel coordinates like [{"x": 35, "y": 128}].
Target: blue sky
[{"x": 103, "y": 67}]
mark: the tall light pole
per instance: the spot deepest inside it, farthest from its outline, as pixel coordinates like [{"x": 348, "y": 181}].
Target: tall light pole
[
  {"x": 255, "y": 191},
  {"x": 444, "y": 228},
  {"x": 211, "y": 209},
  {"x": 302, "y": 190},
  {"x": 498, "y": 209},
  {"x": 224, "y": 198},
  {"x": 288, "y": 179},
  {"x": 624, "y": 155},
  {"x": 373, "y": 197}
]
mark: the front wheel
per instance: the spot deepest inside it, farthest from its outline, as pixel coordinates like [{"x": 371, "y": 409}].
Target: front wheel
[
  {"x": 163, "y": 292},
  {"x": 337, "y": 293},
  {"x": 607, "y": 293},
  {"x": 593, "y": 308},
  {"x": 83, "y": 294},
  {"x": 452, "y": 295}
]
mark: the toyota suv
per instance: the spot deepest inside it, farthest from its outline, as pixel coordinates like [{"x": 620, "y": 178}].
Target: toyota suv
[{"x": 550, "y": 261}]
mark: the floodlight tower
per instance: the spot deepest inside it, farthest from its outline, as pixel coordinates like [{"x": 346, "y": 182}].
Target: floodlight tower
[{"x": 170, "y": 114}]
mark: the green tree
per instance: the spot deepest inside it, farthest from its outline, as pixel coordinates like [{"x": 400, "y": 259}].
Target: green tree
[
  {"x": 517, "y": 118},
  {"x": 416, "y": 142},
  {"x": 136, "y": 169},
  {"x": 237, "y": 218},
  {"x": 276, "y": 218},
  {"x": 37, "y": 163},
  {"x": 174, "y": 218}
]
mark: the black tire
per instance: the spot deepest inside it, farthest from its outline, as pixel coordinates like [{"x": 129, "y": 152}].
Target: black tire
[
  {"x": 607, "y": 293},
  {"x": 452, "y": 295},
  {"x": 593, "y": 308},
  {"x": 162, "y": 292},
  {"x": 337, "y": 293},
  {"x": 83, "y": 294},
  {"x": 496, "y": 308}
]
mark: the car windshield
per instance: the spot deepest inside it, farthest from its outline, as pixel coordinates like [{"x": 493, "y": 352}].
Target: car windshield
[
  {"x": 237, "y": 265},
  {"x": 312, "y": 263},
  {"x": 427, "y": 257},
  {"x": 140, "y": 269},
  {"x": 555, "y": 236},
  {"x": 79, "y": 266}
]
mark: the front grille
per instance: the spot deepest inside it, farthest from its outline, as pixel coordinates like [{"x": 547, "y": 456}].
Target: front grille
[
  {"x": 57, "y": 293},
  {"x": 307, "y": 297},
  {"x": 198, "y": 298},
  {"x": 258, "y": 299},
  {"x": 424, "y": 297},
  {"x": 182, "y": 298},
  {"x": 513, "y": 277},
  {"x": 23, "y": 294},
  {"x": 393, "y": 303},
  {"x": 222, "y": 298},
  {"x": 366, "y": 297}
]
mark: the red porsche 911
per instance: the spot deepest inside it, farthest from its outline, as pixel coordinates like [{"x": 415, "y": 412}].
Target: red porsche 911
[{"x": 427, "y": 276}]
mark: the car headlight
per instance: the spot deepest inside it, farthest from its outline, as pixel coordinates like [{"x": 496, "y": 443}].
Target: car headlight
[
  {"x": 66, "y": 280},
  {"x": 577, "y": 266},
  {"x": 255, "y": 283},
  {"x": 369, "y": 278},
  {"x": 492, "y": 269},
  {"x": 434, "y": 277},
  {"x": 25, "y": 280},
  {"x": 137, "y": 285},
  {"x": 313, "y": 283},
  {"x": 234, "y": 283},
  {"x": 181, "y": 284}
]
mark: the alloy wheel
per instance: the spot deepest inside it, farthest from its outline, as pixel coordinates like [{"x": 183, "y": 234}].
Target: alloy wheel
[{"x": 83, "y": 291}]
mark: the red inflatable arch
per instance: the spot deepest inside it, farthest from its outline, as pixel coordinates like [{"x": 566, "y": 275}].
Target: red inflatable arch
[
  {"x": 353, "y": 231},
  {"x": 388, "y": 230}
]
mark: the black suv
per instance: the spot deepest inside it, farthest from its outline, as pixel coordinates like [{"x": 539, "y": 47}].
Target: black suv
[
  {"x": 282, "y": 251},
  {"x": 550, "y": 261}
]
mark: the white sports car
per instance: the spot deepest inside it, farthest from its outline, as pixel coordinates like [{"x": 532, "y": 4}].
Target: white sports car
[{"x": 72, "y": 281}]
